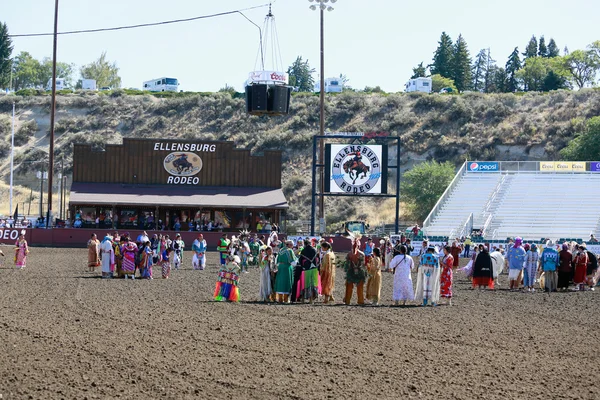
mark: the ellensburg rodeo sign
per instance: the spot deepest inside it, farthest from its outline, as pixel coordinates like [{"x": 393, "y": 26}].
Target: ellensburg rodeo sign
[{"x": 356, "y": 169}]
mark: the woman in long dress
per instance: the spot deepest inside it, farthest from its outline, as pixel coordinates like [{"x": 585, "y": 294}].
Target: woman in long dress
[
  {"x": 483, "y": 271},
  {"x": 327, "y": 273},
  {"x": 21, "y": 251},
  {"x": 108, "y": 257},
  {"x": 531, "y": 266},
  {"x": 402, "y": 264},
  {"x": 146, "y": 261},
  {"x": 374, "y": 272},
  {"x": 129, "y": 252},
  {"x": 285, "y": 272},
  {"x": 428, "y": 278},
  {"x": 446, "y": 275},
  {"x": 165, "y": 262},
  {"x": 93, "y": 246},
  {"x": 265, "y": 265}
]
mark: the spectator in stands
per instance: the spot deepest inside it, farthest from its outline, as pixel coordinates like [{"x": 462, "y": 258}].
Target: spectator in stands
[
  {"x": 415, "y": 230},
  {"x": 593, "y": 239},
  {"x": 467, "y": 243}
]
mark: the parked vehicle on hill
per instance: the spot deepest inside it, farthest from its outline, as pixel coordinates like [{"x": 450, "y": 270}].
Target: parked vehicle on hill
[
  {"x": 163, "y": 84},
  {"x": 88, "y": 84},
  {"x": 419, "y": 85}
]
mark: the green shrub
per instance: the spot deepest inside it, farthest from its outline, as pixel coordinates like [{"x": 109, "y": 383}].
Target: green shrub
[{"x": 25, "y": 132}]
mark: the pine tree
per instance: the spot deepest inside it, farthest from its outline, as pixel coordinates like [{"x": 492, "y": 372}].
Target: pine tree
[
  {"x": 512, "y": 66},
  {"x": 497, "y": 80},
  {"x": 553, "y": 49},
  {"x": 542, "y": 49},
  {"x": 461, "y": 65},
  {"x": 6, "y": 49},
  {"x": 480, "y": 70},
  {"x": 489, "y": 72},
  {"x": 419, "y": 71},
  {"x": 442, "y": 58},
  {"x": 532, "y": 48}
]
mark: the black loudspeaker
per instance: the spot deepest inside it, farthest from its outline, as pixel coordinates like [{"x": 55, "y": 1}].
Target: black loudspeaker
[
  {"x": 256, "y": 98},
  {"x": 279, "y": 99}
]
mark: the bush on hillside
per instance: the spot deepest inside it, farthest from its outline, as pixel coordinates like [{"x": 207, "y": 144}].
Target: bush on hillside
[
  {"x": 586, "y": 146},
  {"x": 25, "y": 132}
]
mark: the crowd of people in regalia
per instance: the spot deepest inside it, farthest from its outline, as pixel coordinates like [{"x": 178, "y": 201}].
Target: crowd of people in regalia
[{"x": 121, "y": 256}]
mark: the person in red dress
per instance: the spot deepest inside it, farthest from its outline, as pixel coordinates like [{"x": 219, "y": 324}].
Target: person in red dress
[
  {"x": 581, "y": 262},
  {"x": 446, "y": 275}
]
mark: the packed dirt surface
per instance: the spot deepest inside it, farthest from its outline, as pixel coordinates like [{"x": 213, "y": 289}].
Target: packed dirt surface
[{"x": 67, "y": 334}]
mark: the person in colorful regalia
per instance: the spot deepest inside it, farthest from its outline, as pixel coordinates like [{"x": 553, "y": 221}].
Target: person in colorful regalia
[
  {"x": 199, "y": 249},
  {"x": 93, "y": 246},
  {"x": 223, "y": 248},
  {"x": 226, "y": 288},
  {"x": 356, "y": 271},
  {"x": 254, "y": 249},
  {"x": 243, "y": 250},
  {"x": 308, "y": 284},
  {"x": 374, "y": 273},
  {"x": 285, "y": 272},
  {"x": 21, "y": 251},
  {"x": 327, "y": 273},
  {"x": 108, "y": 257},
  {"x": 165, "y": 263},
  {"x": 129, "y": 253},
  {"x": 446, "y": 276},
  {"x": 117, "y": 243},
  {"x": 428, "y": 278},
  {"x": 178, "y": 246},
  {"x": 146, "y": 261}
]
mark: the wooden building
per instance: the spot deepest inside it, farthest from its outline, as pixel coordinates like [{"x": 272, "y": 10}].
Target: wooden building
[{"x": 179, "y": 184}]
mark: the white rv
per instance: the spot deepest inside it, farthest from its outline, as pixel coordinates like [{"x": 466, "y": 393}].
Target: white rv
[
  {"x": 419, "y": 85},
  {"x": 88, "y": 84},
  {"x": 332, "y": 85},
  {"x": 60, "y": 84},
  {"x": 163, "y": 84}
]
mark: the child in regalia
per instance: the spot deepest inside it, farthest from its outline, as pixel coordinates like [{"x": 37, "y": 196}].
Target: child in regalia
[{"x": 226, "y": 288}]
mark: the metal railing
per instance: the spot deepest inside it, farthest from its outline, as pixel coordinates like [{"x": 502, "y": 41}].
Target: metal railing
[
  {"x": 487, "y": 224},
  {"x": 464, "y": 230},
  {"x": 494, "y": 194},
  {"x": 434, "y": 211}
]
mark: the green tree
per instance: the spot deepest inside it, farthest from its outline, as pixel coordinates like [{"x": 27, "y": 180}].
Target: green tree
[
  {"x": 103, "y": 71},
  {"x": 442, "y": 58},
  {"x": 301, "y": 77},
  {"x": 544, "y": 74},
  {"x": 419, "y": 71},
  {"x": 542, "y": 49},
  {"x": 461, "y": 65},
  {"x": 496, "y": 81},
  {"x": 586, "y": 145},
  {"x": 422, "y": 186},
  {"x": 553, "y": 50},
  {"x": 594, "y": 48},
  {"x": 228, "y": 89},
  {"x": 439, "y": 82},
  {"x": 6, "y": 49},
  {"x": 27, "y": 72},
  {"x": 513, "y": 65},
  {"x": 480, "y": 67},
  {"x": 531, "y": 49},
  {"x": 583, "y": 66}
]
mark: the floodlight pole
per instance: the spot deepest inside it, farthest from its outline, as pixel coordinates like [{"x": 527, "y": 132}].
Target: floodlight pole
[
  {"x": 322, "y": 127},
  {"x": 12, "y": 156},
  {"x": 52, "y": 116}
]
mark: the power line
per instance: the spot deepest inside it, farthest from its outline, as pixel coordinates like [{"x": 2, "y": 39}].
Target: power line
[{"x": 141, "y": 25}]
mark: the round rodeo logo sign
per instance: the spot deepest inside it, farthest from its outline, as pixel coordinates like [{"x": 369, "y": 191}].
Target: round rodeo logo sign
[
  {"x": 357, "y": 169},
  {"x": 183, "y": 164}
]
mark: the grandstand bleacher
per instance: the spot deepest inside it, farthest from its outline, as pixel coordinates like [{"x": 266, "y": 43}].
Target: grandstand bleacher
[{"x": 518, "y": 201}]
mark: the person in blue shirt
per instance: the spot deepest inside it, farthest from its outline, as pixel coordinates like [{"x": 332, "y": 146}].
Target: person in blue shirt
[
  {"x": 516, "y": 259},
  {"x": 369, "y": 246},
  {"x": 549, "y": 261}
]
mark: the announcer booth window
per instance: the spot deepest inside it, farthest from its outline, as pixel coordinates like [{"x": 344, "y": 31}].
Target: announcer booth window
[
  {"x": 222, "y": 219},
  {"x": 128, "y": 218},
  {"x": 241, "y": 221},
  {"x": 88, "y": 216}
]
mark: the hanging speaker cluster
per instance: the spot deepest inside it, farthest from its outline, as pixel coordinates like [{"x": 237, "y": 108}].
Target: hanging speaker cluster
[{"x": 268, "y": 92}]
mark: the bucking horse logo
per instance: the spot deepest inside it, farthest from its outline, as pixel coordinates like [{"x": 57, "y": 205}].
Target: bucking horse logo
[
  {"x": 354, "y": 167},
  {"x": 182, "y": 164}
]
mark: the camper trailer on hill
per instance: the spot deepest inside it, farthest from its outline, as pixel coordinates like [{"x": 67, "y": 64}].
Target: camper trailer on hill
[
  {"x": 419, "y": 85},
  {"x": 332, "y": 85},
  {"x": 163, "y": 84}
]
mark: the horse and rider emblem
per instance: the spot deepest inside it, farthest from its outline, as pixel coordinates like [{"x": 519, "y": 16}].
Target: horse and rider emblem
[
  {"x": 183, "y": 163},
  {"x": 355, "y": 169}
]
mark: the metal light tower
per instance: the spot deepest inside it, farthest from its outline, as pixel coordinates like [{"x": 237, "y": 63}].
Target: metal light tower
[{"x": 321, "y": 5}]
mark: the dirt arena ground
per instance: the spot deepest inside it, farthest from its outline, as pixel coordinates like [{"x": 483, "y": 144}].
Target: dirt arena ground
[{"x": 67, "y": 334}]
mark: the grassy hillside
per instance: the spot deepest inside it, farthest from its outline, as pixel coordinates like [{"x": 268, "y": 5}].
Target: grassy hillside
[{"x": 528, "y": 126}]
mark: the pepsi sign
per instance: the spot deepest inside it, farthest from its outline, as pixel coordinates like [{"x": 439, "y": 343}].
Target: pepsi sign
[{"x": 485, "y": 166}]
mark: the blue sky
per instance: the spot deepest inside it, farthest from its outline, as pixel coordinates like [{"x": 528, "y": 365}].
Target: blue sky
[{"x": 374, "y": 42}]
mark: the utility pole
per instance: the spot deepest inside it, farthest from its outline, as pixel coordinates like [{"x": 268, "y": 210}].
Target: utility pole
[
  {"x": 52, "y": 112},
  {"x": 42, "y": 192},
  {"x": 12, "y": 157}
]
